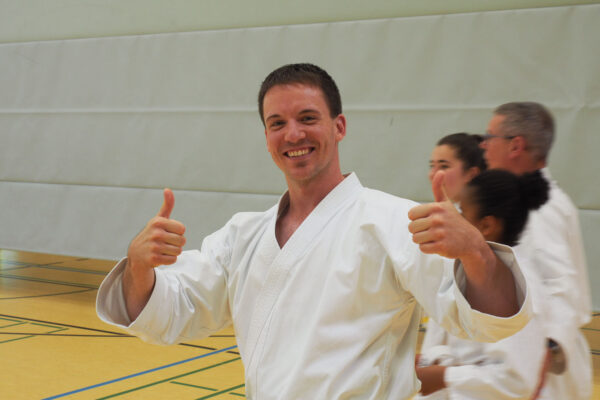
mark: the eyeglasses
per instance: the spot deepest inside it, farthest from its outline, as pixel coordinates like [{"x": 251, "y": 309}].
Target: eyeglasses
[{"x": 488, "y": 136}]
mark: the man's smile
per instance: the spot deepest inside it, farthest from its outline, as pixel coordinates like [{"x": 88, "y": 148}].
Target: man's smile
[{"x": 298, "y": 153}]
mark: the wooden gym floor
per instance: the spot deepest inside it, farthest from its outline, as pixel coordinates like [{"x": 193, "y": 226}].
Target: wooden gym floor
[{"x": 53, "y": 346}]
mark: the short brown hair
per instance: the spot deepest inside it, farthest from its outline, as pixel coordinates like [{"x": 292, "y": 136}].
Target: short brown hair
[{"x": 306, "y": 74}]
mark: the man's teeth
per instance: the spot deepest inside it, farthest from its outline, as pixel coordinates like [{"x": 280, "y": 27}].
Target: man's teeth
[{"x": 298, "y": 153}]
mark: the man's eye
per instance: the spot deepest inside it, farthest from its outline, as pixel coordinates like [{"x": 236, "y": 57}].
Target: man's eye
[
  {"x": 275, "y": 124},
  {"x": 308, "y": 118}
]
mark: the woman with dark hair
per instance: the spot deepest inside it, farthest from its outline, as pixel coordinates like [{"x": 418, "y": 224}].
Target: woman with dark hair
[
  {"x": 497, "y": 203},
  {"x": 461, "y": 157}
]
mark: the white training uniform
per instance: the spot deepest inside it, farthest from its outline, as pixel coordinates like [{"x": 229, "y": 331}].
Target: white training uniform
[
  {"x": 334, "y": 314},
  {"x": 505, "y": 370},
  {"x": 551, "y": 252},
  {"x": 553, "y": 247}
]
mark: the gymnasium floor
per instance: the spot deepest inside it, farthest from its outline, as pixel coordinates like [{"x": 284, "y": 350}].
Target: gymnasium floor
[{"x": 53, "y": 346}]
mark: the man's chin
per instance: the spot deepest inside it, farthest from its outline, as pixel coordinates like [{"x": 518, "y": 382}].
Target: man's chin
[{"x": 300, "y": 175}]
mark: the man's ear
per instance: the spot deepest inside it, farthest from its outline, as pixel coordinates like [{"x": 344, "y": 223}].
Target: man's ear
[
  {"x": 340, "y": 127},
  {"x": 491, "y": 228},
  {"x": 518, "y": 145}
]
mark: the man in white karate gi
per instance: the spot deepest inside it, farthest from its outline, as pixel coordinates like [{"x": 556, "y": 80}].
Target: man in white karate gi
[
  {"x": 324, "y": 289},
  {"x": 519, "y": 139}
]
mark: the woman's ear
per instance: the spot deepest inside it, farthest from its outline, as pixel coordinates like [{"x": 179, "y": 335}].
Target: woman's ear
[
  {"x": 473, "y": 172},
  {"x": 491, "y": 228}
]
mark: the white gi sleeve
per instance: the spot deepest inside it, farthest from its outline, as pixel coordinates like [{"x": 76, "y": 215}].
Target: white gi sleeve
[
  {"x": 442, "y": 297},
  {"x": 509, "y": 369},
  {"x": 189, "y": 299}
]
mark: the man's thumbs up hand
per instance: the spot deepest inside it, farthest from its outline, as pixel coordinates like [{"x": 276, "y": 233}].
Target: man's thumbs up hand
[
  {"x": 439, "y": 228},
  {"x": 161, "y": 240}
]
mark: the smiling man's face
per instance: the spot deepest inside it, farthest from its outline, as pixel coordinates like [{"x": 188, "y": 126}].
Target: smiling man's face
[{"x": 301, "y": 135}]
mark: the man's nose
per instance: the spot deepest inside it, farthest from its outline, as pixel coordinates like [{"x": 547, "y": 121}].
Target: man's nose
[{"x": 294, "y": 133}]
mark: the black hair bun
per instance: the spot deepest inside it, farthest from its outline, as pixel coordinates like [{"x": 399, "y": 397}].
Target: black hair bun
[{"x": 534, "y": 189}]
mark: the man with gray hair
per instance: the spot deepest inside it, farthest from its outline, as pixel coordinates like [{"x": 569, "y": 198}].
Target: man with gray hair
[{"x": 519, "y": 138}]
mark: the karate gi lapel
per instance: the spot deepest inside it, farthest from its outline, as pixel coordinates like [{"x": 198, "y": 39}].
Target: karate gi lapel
[{"x": 294, "y": 250}]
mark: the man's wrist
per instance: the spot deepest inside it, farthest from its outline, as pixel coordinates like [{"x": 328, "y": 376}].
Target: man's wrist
[{"x": 480, "y": 264}]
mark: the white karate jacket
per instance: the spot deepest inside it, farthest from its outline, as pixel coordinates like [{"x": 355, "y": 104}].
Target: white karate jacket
[
  {"x": 505, "y": 370},
  {"x": 333, "y": 314},
  {"x": 551, "y": 252},
  {"x": 552, "y": 247}
]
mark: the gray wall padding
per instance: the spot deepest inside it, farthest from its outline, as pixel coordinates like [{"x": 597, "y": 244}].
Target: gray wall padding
[{"x": 91, "y": 130}]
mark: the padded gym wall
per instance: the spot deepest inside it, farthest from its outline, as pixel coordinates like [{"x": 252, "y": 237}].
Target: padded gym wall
[{"x": 92, "y": 129}]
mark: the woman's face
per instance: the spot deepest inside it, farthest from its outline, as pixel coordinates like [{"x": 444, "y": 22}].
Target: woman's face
[{"x": 444, "y": 158}]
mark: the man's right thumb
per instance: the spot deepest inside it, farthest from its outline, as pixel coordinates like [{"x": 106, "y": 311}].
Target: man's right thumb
[
  {"x": 168, "y": 204},
  {"x": 437, "y": 187}
]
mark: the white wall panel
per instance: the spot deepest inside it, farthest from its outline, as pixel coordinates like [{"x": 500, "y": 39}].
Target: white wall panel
[
  {"x": 32, "y": 20},
  {"x": 100, "y": 221},
  {"x": 92, "y": 129},
  {"x": 185, "y": 150}
]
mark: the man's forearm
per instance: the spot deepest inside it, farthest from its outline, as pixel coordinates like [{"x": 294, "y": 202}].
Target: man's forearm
[
  {"x": 137, "y": 289},
  {"x": 490, "y": 284}
]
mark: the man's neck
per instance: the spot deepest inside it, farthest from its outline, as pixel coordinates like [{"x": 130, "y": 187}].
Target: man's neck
[
  {"x": 302, "y": 200},
  {"x": 526, "y": 165}
]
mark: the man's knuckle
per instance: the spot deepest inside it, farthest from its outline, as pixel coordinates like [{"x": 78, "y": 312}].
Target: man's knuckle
[{"x": 155, "y": 259}]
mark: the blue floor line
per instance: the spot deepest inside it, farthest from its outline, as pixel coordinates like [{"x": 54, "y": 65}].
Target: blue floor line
[{"x": 137, "y": 374}]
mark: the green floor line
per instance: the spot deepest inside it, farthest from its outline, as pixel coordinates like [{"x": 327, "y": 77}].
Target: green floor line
[
  {"x": 17, "y": 268},
  {"x": 194, "y": 386},
  {"x": 168, "y": 379},
  {"x": 56, "y": 329},
  {"x": 44, "y": 325},
  {"x": 11, "y": 320},
  {"x": 69, "y": 269},
  {"x": 17, "y": 263},
  {"x": 15, "y": 324},
  {"x": 221, "y": 392},
  {"x": 57, "y": 324},
  {"x": 14, "y": 340},
  {"x": 31, "y": 279},
  {"x": 37, "y": 296},
  {"x": 590, "y": 329}
]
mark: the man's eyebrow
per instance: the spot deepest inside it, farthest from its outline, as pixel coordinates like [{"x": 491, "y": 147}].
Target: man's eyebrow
[
  {"x": 272, "y": 116},
  {"x": 310, "y": 110},
  {"x": 305, "y": 111}
]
